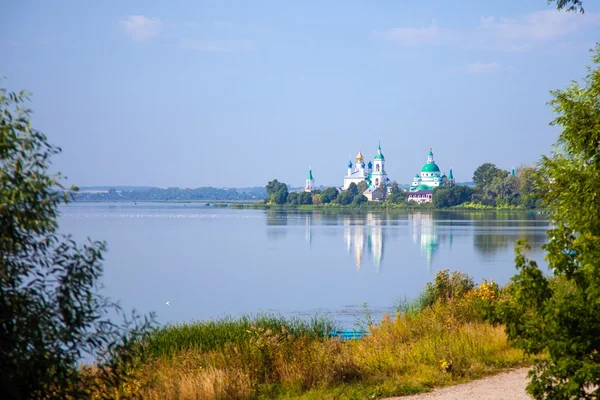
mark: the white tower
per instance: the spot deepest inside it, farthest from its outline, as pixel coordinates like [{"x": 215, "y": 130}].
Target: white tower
[
  {"x": 310, "y": 182},
  {"x": 379, "y": 175}
]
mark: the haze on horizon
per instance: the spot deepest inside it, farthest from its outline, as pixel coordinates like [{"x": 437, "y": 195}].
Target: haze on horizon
[{"x": 232, "y": 93}]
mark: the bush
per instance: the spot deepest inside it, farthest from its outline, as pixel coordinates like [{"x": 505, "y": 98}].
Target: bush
[
  {"x": 51, "y": 314},
  {"x": 447, "y": 287}
]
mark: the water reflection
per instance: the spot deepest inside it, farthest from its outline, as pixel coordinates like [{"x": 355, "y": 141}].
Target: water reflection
[
  {"x": 368, "y": 234},
  {"x": 358, "y": 238}
]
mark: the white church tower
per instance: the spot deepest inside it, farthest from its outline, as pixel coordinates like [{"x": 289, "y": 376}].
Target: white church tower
[
  {"x": 379, "y": 175},
  {"x": 310, "y": 182}
]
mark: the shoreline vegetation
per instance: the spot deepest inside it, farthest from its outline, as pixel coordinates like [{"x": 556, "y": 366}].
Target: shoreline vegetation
[
  {"x": 448, "y": 335},
  {"x": 370, "y": 206}
]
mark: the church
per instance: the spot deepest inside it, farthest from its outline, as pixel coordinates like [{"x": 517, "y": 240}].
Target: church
[
  {"x": 421, "y": 189},
  {"x": 373, "y": 173}
]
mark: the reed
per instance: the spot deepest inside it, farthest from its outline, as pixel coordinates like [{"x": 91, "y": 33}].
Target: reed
[
  {"x": 442, "y": 338},
  {"x": 214, "y": 334}
]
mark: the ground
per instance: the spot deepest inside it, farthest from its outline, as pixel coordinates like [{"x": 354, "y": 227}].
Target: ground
[{"x": 505, "y": 386}]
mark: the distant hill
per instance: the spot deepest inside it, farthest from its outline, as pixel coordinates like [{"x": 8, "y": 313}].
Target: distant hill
[
  {"x": 106, "y": 188},
  {"x": 148, "y": 193}
]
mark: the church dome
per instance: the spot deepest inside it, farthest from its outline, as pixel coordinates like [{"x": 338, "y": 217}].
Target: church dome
[
  {"x": 423, "y": 187},
  {"x": 430, "y": 167},
  {"x": 359, "y": 158}
]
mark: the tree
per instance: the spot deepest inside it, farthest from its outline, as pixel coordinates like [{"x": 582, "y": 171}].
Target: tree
[
  {"x": 345, "y": 198},
  {"x": 304, "y": 198},
  {"x": 51, "y": 313},
  {"x": 395, "y": 188},
  {"x": 485, "y": 174},
  {"x": 560, "y": 316},
  {"x": 328, "y": 195},
  {"x": 292, "y": 198},
  {"x": 352, "y": 188},
  {"x": 568, "y": 5},
  {"x": 362, "y": 186},
  {"x": 277, "y": 192},
  {"x": 359, "y": 199},
  {"x": 451, "y": 196},
  {"x": 316, "y": 198},
  {"x": 397, "y": 197}
]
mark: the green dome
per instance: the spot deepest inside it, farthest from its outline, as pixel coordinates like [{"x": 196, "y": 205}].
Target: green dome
[
  {"x": 379, "y": 155},
  {"x": 423, "y": 187},
  {"x": 430, "y": 167}
]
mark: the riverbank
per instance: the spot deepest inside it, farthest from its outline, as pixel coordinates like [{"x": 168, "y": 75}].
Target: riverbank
[{"x": 442, "y": 338}]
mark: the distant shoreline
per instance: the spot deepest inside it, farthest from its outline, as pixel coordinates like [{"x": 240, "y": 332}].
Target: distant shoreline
[{"x": 371, "y": 206}]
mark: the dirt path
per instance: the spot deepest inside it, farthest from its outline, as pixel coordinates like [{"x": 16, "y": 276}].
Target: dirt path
[{"x": 505, "y": 386}]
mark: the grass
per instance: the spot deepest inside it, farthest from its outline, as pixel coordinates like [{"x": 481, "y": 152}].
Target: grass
[
  {"x": 215, "y": 334},
  {"x": 439, "y": 339}
]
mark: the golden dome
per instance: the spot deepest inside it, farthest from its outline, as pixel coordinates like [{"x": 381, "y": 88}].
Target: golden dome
[{"x": 360, "y": 158}]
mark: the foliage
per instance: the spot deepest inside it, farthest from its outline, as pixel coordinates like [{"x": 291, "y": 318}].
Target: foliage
[
  {"x": 277, "y": 192},
  {"x": 568, "y": 5},
  {"x": 485, "y": 174},
  {"x": 344, "y": 198},
  {"x": 445, "y": 342},
  {"x": 214, "y": 334},
  {"x": 451, "y": 196},
  {"x": 359, "y": 199},
  {"x": 564, "y": 321},
  {"x": 447, "y": 286},
  {"x": 328, "y": 195},
  {"x": 362, "y": 186},
  {"x": 51, "y": 314},
  {"x": 397, "y": 197},
  {"x": 173, "y": 194},
  {"x": 353, "y": 188}
]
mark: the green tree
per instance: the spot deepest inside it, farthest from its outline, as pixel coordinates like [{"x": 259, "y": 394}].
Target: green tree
[
  {"x": 304, "y": 198},
  {"x": 328, "y": 195},
  {"x": 345, "y": 198},
  {"x": 359, "y": 199},
  {"x": 451, "y": 196},
  {"x": 51, "y": 313},
  {"x": 353, "y": 188},
  {"x": 362, "y": 186},
  {"x": 485, "y": 174},
  {"x": 397, "y": 197},
  {"x": 568, "y": 5},
  {"x": 277, "y": 192},
  {"x": 395, "y": 188},
  {"x": 561, "y": 316},
  {"x": 292, "y": 199}
]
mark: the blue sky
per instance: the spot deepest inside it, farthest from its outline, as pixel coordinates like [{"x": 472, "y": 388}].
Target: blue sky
[{"x": 235, "y": 93}]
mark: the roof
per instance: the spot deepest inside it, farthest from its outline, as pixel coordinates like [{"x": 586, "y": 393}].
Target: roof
[
  {"x": 310, "y": 177},
  {"x": 450, "y": 176},
  {"x": 379, "y": 155},
  {"x": 430, "y": 167},
  {"x": 416, "y": 192},
  {"x": 350, "y": 164},
  {"x": 423, "y": 187}
]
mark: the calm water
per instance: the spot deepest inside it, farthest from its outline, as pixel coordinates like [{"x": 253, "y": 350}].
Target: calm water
[{"x": 209, "y": 262}]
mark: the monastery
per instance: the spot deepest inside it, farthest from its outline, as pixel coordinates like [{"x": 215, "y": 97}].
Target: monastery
[{"x": 378, "y": 183}]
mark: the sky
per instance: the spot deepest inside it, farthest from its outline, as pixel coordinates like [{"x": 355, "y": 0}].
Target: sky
[{"x": 236, "y": 93}]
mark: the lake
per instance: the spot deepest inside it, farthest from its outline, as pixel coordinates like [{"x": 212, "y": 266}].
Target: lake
[{"x": 208, "y": 262}]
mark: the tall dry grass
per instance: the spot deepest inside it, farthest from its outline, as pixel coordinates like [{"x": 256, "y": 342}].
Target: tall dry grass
[{"x": 443, "y": 341}]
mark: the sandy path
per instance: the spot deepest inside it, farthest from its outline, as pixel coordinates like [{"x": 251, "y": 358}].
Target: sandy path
[{"x": 504, "y": 386}]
